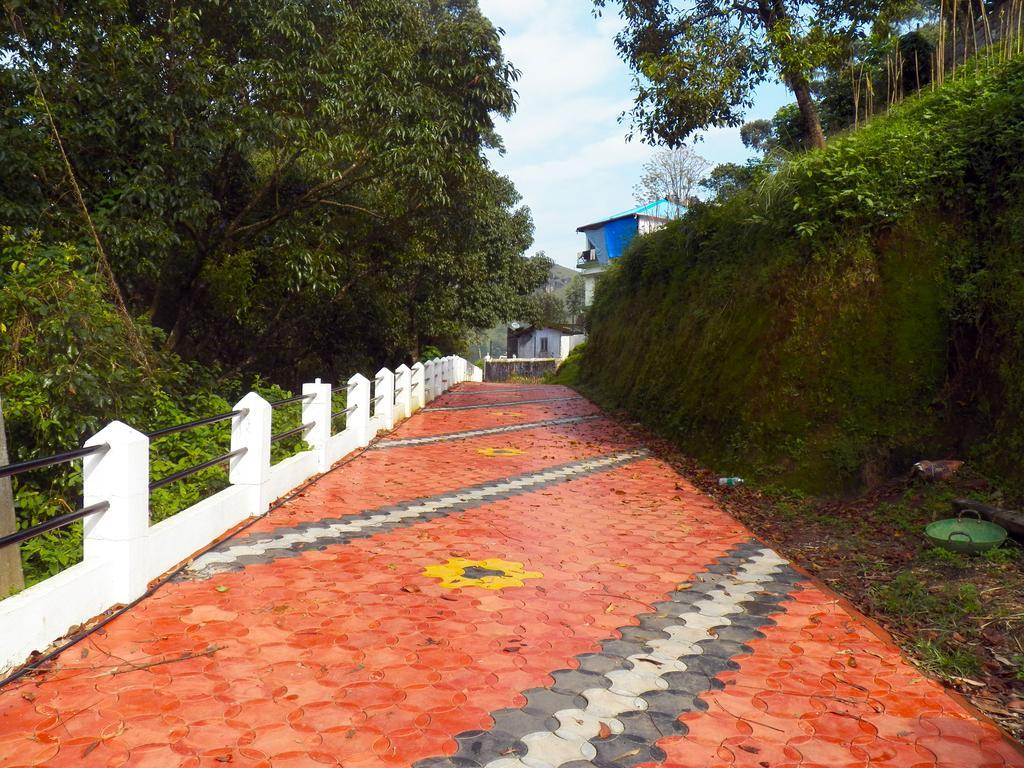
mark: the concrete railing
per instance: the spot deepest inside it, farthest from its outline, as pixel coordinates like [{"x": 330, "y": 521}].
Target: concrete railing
[{"x": 123, "y": 552}]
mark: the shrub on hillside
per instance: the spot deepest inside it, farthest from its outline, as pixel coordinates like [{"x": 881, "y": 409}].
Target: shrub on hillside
[
  {"x": 66, "y": 370},
  {"x": 859, "y": 309}
]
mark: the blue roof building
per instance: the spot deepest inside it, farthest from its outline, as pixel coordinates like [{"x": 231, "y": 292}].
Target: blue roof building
[{"x": 608, "y": 239}]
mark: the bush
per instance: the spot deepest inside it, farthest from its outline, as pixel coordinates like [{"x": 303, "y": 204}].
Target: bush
[
  {"x": 66, "y": 371},
  {"x": 568, "y": 372},
  {"x": 858, "y": 310}
]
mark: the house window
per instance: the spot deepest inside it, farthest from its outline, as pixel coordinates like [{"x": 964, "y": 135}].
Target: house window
[{"x": 544, "y": 345}]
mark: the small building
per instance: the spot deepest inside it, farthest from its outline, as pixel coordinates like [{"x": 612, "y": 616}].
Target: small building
[
  {"x": 608, "y": 239},
  {"x": 549, "y": 342}
]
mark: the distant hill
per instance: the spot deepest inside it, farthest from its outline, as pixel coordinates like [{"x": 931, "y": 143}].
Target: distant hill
[{"x": 559, "y": 279}]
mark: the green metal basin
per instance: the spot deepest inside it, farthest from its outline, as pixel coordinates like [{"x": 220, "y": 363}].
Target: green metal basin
[{"x": 967, "y": 536}]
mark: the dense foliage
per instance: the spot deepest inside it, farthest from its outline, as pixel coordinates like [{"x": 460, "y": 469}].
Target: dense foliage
[
  {"x": 66, "y": 370},
  {"x": 697, "y": 64},
  {"x": 280, "y": 186},
  {"x": 282, "y": 190},
  {"x": 857, "y": 310}
]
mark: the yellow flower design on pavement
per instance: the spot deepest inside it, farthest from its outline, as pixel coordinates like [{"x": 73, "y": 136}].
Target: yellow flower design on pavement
[
  {"x": 459, "y": 572},
  {"x": 500, "y": 452}
]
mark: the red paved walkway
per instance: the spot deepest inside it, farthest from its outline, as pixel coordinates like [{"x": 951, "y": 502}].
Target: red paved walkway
[{"x": 538, "y": 597}]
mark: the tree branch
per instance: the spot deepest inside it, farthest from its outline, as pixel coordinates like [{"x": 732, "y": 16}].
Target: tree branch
[
  {"x": 310, "y": 197},
  {"x": 232, "y": 227},
  {"x": 351, "y": 207}
]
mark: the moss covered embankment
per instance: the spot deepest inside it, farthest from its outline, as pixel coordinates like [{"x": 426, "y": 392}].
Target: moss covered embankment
[{"x": 858, "y": 310}]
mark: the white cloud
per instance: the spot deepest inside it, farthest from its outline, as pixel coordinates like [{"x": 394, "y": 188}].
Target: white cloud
[
  {"x": 611, "y": 153},
  {"x": 565, "y": 148}
]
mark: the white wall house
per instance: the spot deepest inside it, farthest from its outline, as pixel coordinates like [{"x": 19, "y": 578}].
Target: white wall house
[
  {"x": 607, "y": 239},
  {"x": 546, "y": 342}
]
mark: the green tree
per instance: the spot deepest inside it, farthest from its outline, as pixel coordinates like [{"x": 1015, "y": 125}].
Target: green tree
[
  {"x": 575, "y": 299},
  {"x": 696, "y": 64},
  {"x": 246, "y": 162},
  {"x": 758, "y": 135},
  {"x": 671, "y": 174},
  {"x": 547, "y": 310},
  {"x": 726, "y": 179}
]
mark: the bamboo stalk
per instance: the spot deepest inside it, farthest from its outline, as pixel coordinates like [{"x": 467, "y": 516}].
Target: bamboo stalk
[
  {"x": 1020, "y": 15},
  {"x": 953, "y": 25},
  {"x": 987, "y": 27},
  {"x": 974, "y": 35},
  {"x": 939, "y": 57},
  {"x": 855, "y": 91}
]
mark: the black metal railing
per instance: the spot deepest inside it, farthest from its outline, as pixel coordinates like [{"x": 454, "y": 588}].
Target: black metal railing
[
  {"x": 346, "y": 412},
  {"x": 9, "y": 470},
  {"x": 197, "y": 423},
  {"x": 182, "y": 474},
  {"x": 291, "y": 432},
  {"x": 188, "y": 472},
  {"x": 290, "y": 400},
  {"x": 56, "y": 522}
]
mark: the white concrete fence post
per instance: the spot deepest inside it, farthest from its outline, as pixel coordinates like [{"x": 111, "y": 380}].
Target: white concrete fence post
[
  {"x": 119, "y": 476},
  {"x": 436, "y": 387},
  {"x": 417, "y": 388},
  {"x": 251, "y": 430},
  {"x": 403, "y": 393},
  {"x": 358, "y": 419},
  {"x": 318, "y": 410},
  {"x": 384, "y": 393},
  {"x": 428, "y": 380}
]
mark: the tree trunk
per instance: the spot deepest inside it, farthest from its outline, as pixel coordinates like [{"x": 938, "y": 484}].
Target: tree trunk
[
  {"x": 772, "y": 13},
  {"x": 11, "y": 579},
  {"x": 808, "y": 112},
  {"x": 173, "y": 298}
]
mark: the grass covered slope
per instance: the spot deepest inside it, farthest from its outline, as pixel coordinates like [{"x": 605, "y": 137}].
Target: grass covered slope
[{"x": 859, "y": 310}]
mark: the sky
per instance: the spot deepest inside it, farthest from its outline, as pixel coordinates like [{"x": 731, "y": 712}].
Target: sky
[{"x": 566, "y": 150}]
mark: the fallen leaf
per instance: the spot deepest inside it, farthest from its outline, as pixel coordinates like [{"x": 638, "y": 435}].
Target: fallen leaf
[
  {"x": 28, "y": 696},
  {"x": 604, "y": 731},
  {"x": 610, "y": 608},
  {"x": 410, "y": 588},
  {"x": 222, "y": 588},
  {"x": 751, "y": 750},
  {"x": 975, "y": 683}
]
